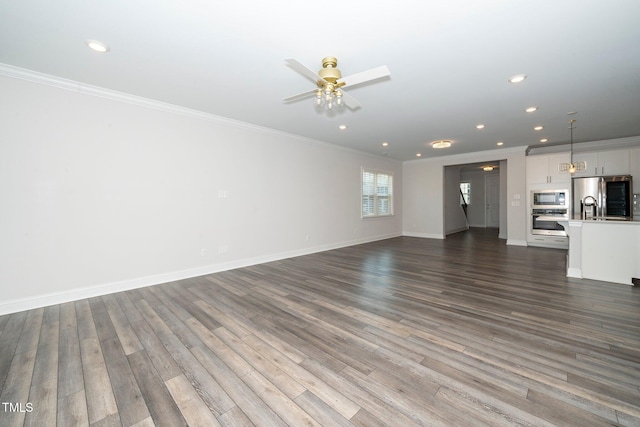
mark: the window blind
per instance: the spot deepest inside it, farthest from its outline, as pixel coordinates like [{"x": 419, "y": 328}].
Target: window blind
[{"x": 377, "y": 193}]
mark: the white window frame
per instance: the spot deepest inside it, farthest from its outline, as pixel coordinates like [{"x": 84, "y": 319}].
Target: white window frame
[{"x": 376, "y": 197}]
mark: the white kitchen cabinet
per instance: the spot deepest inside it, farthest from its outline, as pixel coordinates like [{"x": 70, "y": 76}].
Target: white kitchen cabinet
[
  {"x": 600, "y": 163},
  {"x": 615, "y": 162},
  {"x": 544, "y": 169},
  {"x": 634, "y": 168},
  {"x": 557, "y": 242},
  {"x": 634, "y": 171},
  {"x": 543, "y": 172},
  {"x": 604, "y": 250}
]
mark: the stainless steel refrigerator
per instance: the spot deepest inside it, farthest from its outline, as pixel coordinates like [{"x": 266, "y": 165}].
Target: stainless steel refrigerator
[{"x": 602, "y": 197}]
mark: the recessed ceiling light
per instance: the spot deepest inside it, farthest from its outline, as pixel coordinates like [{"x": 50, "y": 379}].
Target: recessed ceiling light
[
  {"x": 500, "y": 143},
  {"x": 544, "y": 140},
  {"x": 443, "y": 143},
  {"x": 487, "y": 168},
  {"x": 480, "y": 126},
  {"x": 538, "y": 128},
  {"x": 97, "y": 46},
  {"x": 530, "y": 109},
  {"x": 517, "y": 78},
  {"x": 385, "y": 144},
  {"x": 571, "y": 113},
  {"x": 418, "y": 154}
]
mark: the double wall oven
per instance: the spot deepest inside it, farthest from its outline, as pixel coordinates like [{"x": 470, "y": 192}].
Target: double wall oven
[{"x": 547, "y": 208}]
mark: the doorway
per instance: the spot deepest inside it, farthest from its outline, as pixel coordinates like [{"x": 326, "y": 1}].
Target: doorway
[{"x": 485, "y": 190}]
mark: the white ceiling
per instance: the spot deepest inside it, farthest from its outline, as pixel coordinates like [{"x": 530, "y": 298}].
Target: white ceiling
[{"x": 449, "y": 62}]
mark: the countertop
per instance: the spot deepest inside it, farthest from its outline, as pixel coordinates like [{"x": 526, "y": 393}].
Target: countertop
[
  {"x": 604, "y": 220},
  {"x": 590, "y": 220}
]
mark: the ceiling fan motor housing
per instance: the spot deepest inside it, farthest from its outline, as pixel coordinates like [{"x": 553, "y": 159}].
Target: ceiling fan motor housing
[{"x": 329, "y": 71}]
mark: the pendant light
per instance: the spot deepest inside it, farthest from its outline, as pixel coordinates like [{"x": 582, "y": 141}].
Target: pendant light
[{"x": 572, "y": 167}]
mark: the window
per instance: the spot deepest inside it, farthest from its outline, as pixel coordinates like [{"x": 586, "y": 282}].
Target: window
[
  {"x": 377, "y": 194},
  {"x": 465, "y": 193}
]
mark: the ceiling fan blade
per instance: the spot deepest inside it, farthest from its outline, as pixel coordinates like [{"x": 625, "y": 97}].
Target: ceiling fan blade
[
  {"x": 300, "y": 95},
  {"x": 365, "y": 76},
  {"x": 350, "y": 101},
  {"x": 311, "y": 75}
]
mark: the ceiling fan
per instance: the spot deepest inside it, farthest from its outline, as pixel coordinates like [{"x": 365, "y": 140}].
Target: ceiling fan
[{"x": 330, "y": 83}]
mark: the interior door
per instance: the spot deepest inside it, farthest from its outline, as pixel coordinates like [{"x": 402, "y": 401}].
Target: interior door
[{"x": 492, "y": 200}]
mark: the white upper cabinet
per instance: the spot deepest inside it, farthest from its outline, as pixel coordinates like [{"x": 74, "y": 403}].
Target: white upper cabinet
[
  {"x": 634, "y": 168},
  {"x": 613, "y": 162},
  {"x": 545, "y": 169}
]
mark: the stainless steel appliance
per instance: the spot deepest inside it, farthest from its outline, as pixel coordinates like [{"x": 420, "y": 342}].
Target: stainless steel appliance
[
  {"x": 602, "y": 197},
  {"x": 550, "y": 199},
  {"x": 545, "y": 221}
]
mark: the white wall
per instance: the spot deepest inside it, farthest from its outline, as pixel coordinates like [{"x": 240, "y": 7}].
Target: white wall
[
  {"x": 504, "y": 200},
  {"x": 423, "y": 193},
  {"x": 103, "y": 193}
]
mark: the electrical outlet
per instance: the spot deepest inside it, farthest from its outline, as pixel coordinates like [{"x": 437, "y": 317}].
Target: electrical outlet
[
  {"x": 223, "y": 249},
  {"x": 203, "y": 251}
]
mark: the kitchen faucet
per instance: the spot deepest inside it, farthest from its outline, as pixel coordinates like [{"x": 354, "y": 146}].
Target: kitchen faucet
[{"x": 584, "y": 204}]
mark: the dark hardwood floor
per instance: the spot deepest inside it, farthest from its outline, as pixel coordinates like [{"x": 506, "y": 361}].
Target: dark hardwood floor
[{"x": 402, "y": 332}]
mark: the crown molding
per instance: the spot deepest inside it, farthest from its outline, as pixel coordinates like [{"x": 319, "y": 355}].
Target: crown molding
[
  {"x": 586, "y": 146},
  {"x": 14, "y": 72},
  {"x": 87, "y": 89}
]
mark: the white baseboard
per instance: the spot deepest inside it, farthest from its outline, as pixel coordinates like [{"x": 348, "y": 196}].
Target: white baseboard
[
  {"x": 574, "y": 272},
  {"x": 38, "y": 301},
  {"x": 423, "y": 235},
  {"x": 458, "y": 230},
  {"x": 515, "y": 242}
]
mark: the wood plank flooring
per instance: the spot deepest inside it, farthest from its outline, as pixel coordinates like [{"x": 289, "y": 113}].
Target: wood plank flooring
[{"x": 401, "y": 332}]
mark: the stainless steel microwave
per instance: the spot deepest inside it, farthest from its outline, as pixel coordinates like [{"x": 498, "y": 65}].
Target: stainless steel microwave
[{"x": 550, "y": 199}]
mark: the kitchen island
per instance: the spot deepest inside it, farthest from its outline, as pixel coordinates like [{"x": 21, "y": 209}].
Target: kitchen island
[{"x": 607, "y": 250}]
